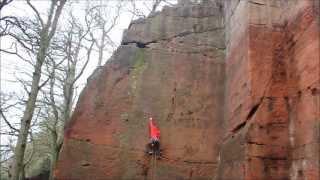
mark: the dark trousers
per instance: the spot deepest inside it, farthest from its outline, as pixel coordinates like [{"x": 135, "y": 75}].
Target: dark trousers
[{"x": 154, "y": 147}]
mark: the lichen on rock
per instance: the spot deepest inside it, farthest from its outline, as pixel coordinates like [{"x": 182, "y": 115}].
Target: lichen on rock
[{"x": 139, "y": 65}]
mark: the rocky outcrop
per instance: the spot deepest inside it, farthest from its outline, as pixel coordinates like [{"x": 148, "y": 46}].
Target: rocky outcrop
[
  {"x": 234, "y": 86},
  {"x": 170, "y": 65},
  {"x": 272, "y": 90}
]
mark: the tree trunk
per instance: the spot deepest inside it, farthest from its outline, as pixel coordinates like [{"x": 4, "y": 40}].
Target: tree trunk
[
  {"x": 53, "y": 162},
  {"x": 23, "y": 174},
  {"x": 46, "y": 35},
  {"x": 27, "y": 116},
  {"x": 102, "y": 46},
  {"x": 57, "y": 136}
]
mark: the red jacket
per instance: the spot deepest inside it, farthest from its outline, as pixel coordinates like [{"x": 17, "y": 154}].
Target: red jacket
[{"x": 154, "y": 131}]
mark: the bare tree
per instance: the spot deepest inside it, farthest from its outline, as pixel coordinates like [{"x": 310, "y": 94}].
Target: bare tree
[
  {"x": 75, "y": 46},
  {"x": 9, "y": 103},
  {"x": 152, "y": 6},
  {"x": 7, "y": 129},
  {"x": 103, "y": 22},
  {"x": 6, "y": 158},
  {"x": 66, "y": 57},
  {"x": 5, "y": 106},
  {"x": 38, "y": 44}
]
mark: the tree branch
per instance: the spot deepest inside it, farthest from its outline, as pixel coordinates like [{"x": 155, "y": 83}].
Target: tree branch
[
  {"x": 36, "y": 11},
  {"x": 4, "y": 3},
  {"x": 85, "y": 65},
  {"x": 7, "y": 122}
]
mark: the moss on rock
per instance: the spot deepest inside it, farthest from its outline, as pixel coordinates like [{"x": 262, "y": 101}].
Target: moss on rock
[{"x": 138, "y": 67}]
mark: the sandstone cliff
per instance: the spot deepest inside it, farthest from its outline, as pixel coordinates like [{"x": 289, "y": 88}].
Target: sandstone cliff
[
  {"x": 272, "y": 90},
  {"x": 234, "y": 86},
  {"x": 170, "y": 65}
]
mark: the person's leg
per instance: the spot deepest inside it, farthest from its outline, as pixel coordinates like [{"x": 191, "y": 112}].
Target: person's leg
[
  {"x": 157, "y": 148},
  {"x": 153, "y": 145},
  {"x": 150, "y": 148}
]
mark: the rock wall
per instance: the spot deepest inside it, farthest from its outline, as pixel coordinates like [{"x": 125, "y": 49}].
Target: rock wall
[
  {"x": 272, "y": 90},
  {"x": 234, "y": 86},
  {"x": 170, "y": 65}
]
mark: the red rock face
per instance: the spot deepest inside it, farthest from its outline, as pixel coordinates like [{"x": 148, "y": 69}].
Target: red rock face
[
  {"x": 272, "y": 68},
  {"x": 250, "y": 111},
  {"x": 172, "y": 66}
]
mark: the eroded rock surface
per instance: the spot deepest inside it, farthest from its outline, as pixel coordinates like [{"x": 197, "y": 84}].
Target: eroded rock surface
[
  {"x": 234, "y": 86},
  {"x": 272, "y": 90},
  {"x": 172, "y": 66}
]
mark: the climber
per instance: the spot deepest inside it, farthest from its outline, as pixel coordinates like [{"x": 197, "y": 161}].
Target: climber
[{"x": 154, "y": 145}]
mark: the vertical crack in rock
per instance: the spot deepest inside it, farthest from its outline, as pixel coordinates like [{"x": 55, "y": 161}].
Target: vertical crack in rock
[{"x": 173, "y": 103}]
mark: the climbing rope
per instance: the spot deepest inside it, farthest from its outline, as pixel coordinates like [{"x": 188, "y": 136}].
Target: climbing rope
[{"x": 154, "y": 166}]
